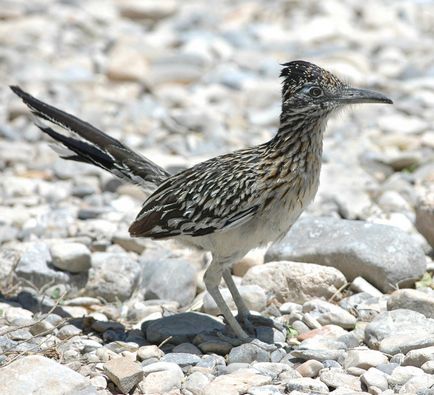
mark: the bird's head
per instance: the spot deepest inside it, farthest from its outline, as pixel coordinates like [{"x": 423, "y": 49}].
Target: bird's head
[{"x": 309, "y": 89}]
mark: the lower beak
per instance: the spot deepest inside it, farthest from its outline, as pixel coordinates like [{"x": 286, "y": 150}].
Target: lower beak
[{"x": 355, "y": 96}]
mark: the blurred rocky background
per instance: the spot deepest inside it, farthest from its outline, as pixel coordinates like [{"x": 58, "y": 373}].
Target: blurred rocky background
[{"x": 180, "y": 81}]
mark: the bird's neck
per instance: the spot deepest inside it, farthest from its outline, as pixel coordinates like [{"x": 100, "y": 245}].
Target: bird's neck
[{"x": 299, "y": 136}]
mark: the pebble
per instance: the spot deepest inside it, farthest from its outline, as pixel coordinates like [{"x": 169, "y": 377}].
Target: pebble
[
  {"x": 125, "y": 373},
  {"x": 161, "y": 377},
  {"x": 310, "y": 368},
  {"x": 364, "y": 358},
  {"x": 329, "y": 314},
  {"x": 71, "y": 257},
  {"x": 419, "y": 357},
  {"x": 375, "y": 378},
  {"x": 306, "y": 385},
  {"x": 248, "y": 353},
  {"x": 336, "y": 378}
]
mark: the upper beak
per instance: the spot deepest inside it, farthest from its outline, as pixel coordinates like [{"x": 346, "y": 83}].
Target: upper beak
[{"x": 355, "y": 95}]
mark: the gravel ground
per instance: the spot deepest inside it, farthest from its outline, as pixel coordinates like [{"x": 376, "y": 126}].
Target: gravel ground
[{"x": 84, "y": 309}]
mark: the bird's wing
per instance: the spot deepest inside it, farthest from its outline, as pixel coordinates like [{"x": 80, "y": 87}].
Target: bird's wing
[{"x": 213, "y": 196}]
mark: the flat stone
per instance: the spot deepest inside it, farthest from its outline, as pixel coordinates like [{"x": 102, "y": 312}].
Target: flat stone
[
  {"x": 181, "y": 359},
  {"x": 364, "y": 358},
  {"x": 169, "y": 279},
  {"x": 71, "y": 257},
  {"x": 295, "y": 281},
  {"x": 181, "y": 327},
  {"x": 419, "y": 357},
  {"x": 412, "y": 299},
  {"x": 329, "y": 314},
  {"x": 125, "y": 373},
  {"x": 404, "y": 343},
  {"x": 306, "y": 385},
  {"x": 383, "y": 255},
  {"x": 319, "y": 355},
  {"x": 253, "y": 295},
  {"x": 336, "y": 378},
  {"x": 37, "y": 374}
]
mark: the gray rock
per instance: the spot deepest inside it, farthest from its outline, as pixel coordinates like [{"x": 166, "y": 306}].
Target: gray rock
[
  {"x": 364, "y": 358},
  {"x": 112, "y": 276},
  {"x": 181, "y": 327},
  {"x": 306, "y": 385},
  {"x": 397, "y": 322},
  {"x": 253, "y": 295},
  {"x": 147, "y": 352},
  {"x": 319, "y": 355},
  {"x": 125, "y": 373},
  {"x": 35, "y": 266},
  {"x": 237, "y": 382},
  {"x": 181, "y": 359},
  {"x": 419, "y": 357},
  {"x": 71, "y": 257},
  {"x": 375, "y": 378},
  {"x": 336, "y": 378},
  {"x": 216, "y": 346},
  {"x": 135, "y": 9},
  {"x": 68, "y": 331},
  {"x": 161, "y": 377},
  {"x": 266, "y": 390},
  {"x": 274, "y": 370},
  {"x": 383, "y": 255},
  {"x": 405, "y": 343},
  {"x": 170, "y": 279},
  {"x": 37, "y": 374},
  {"x": 295, "y": 281},
  {"x": 412, "y": 299},
  {"x": 188, "y": 348},
  {"x": 327, "y": 313},
  {"x": 248, "y": 353},
  {"x": 8, "y": 259}
]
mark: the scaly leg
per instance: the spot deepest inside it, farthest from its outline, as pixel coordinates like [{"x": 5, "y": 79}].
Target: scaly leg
[
  {"x": 212, "y": 279},
  {"x": 249, "y": 320}
]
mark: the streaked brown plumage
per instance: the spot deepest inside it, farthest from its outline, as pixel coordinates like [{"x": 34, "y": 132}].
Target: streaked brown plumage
[{"x": 234, "y": 202}]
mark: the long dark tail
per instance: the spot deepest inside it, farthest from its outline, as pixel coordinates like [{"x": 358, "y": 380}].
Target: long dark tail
[{"x": 85, "y": 143}]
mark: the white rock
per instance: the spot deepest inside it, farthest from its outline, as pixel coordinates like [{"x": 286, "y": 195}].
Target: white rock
[
  {"x": 71, "y": 257},
  {"x": 125, "y": 373},
  {"x": 364, "y": 358},
  {"x": 35, "y": 374}
]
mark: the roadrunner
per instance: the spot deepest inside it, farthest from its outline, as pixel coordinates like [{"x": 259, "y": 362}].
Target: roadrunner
[{"x": 232, "y": 203}]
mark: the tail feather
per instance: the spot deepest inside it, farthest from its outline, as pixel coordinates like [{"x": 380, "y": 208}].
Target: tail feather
[{"x": 90, "y": 145}]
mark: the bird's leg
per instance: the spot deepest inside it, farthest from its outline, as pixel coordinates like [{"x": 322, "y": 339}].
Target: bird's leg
[
  {"x": 249, "y": 321},
  {"x": 212, "y": 279},
  {"x": 243, "y": 310}
]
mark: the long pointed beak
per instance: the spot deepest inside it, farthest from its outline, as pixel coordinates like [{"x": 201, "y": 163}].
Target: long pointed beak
[{"x": 355, "y": 95}]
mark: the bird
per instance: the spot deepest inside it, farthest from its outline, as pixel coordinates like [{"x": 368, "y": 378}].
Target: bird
[{"x": 232, "y": 203}]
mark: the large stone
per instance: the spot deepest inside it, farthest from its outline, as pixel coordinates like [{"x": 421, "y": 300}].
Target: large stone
[
  {"x": 180, "y": 328},
  {"x": 112, "y": 276},
  {"x": 364, "y": 359},
  {"x": 412, "y": 299},
  {"x": 253, "y": 295},
  {"x": 295, "y": 281},
  {"x": 383, "y": 255},
  {"x": 169, "y": 279},
  {"x": 39, "y": 375},
  {"x": 71, "y": 257},
  {"x": 419, "y": 357}
]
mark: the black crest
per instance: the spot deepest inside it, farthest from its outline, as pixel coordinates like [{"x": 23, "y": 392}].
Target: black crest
[{"x": 299, "y": 72}]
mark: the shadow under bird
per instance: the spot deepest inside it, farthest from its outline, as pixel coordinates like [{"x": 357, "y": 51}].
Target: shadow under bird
[{"x": 232, "y": 203}]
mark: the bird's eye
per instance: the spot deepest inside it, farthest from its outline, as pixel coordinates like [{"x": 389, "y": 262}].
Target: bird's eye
[{"x": 315, "y": 91}]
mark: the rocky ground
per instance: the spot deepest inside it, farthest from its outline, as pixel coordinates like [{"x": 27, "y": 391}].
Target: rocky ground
[{"x": 84, "y": 309}]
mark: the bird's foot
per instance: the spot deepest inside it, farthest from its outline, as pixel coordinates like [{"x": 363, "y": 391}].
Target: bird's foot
[{"x": 251, "y": 321}]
